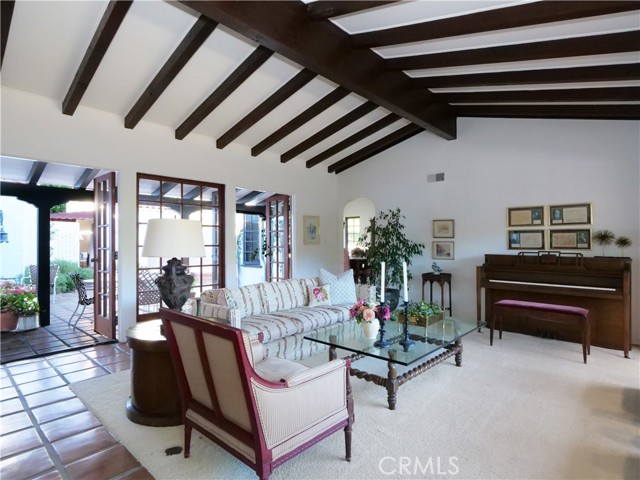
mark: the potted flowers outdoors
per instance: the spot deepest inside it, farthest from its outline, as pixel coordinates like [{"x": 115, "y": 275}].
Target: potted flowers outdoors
[
  {"x": 18, "y": 304},
  {"x": 369, "y": 315}
]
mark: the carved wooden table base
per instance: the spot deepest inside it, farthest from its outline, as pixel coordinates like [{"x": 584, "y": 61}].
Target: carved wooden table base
[{"x": 392, "y": 382}]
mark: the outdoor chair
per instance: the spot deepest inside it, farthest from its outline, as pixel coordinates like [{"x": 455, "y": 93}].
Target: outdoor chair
[
  {"x": 53, "y": 277},
  {"x": 83, "y": 299},
  {"x": 264, "y": 411}
]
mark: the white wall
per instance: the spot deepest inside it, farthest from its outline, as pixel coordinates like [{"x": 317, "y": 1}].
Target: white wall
[
  {"x": 34, "y": 128},
  {"x": 495, "y": 164},
  {"x": 20, "y": 222}
]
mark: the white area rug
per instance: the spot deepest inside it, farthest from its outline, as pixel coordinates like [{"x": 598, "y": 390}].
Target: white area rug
[{"x": 526, "y": 408}]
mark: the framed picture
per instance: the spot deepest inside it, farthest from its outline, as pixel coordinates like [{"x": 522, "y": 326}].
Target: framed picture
[
  {"x": 525, "y": 239},
  {"x": 574, "y": 239},
  {"x": 525, "y": 216},
  {"x": 576, "y": 214},
  {"x": 443, "y": 229},
  {"x": 442, "y": 250},
  {"x": 311, "y": 230}
]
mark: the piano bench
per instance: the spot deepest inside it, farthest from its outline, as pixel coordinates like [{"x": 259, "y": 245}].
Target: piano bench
[{"x": 544, "y": 311}]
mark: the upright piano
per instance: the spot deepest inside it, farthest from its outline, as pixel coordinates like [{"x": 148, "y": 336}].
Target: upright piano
[{"x": 600, "y": 284}]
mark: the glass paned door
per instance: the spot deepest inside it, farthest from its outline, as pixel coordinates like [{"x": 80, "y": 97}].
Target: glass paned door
[{"x": 278, "y": 238}]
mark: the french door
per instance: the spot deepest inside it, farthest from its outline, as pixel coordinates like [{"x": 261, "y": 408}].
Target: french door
[
  {"x": 278, "y": 238},
  {"x": 104, "y": 269}
]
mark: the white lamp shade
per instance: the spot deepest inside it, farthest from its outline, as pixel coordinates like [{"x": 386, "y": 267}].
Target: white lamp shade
[{"x": 173, "y": 237}]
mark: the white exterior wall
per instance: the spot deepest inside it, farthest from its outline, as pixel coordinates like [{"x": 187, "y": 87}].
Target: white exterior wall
[
  {"x": 21, "y": 224},
  {"x": 495, "y": 164}
]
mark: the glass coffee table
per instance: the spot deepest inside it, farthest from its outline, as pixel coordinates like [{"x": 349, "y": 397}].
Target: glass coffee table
[{"x": 432, "y": 345}]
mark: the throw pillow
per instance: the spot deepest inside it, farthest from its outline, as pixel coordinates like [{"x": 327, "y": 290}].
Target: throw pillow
[
  {"x": 343, "y": 287},
  {"x": 319, "y": 295}
]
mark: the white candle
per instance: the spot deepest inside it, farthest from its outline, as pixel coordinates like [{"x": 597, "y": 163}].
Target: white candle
[
  {"x": 404, "y": 276},
  {"x": 382, "y": 282}
]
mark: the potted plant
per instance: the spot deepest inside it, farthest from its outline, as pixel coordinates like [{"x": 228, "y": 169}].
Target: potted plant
[
  {"x": 424, "y": 313},
  {"x": 603, "y": 238},
  {"x": 18, "y": 303},
  {"x": 385, "y": 241},
  {"x": 623, "y": 242}
]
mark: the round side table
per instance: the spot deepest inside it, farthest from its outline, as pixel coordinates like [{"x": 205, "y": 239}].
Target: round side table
[{"x": 155, "y": 399}]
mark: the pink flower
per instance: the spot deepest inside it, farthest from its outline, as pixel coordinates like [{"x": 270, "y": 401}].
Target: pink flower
[{"x": 368, "y": 315}]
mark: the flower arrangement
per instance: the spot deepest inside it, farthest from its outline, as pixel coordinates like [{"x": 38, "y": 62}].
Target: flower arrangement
[
  {"x": 424, "y": 309},
  {"x": 23, "y": 301},
  {"x": 364, "y": 311}
]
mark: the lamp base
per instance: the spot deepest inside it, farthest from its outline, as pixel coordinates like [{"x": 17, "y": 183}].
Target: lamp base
[{"x": 175, "y": 284}]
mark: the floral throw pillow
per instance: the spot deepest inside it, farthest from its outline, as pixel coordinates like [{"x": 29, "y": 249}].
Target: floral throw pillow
[{"x": 319, "y": 295}]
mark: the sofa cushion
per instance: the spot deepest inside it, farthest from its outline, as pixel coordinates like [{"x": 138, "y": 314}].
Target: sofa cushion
[
  {"x": 343, "y": 287},
  {"x": 282, "y": 295},
  {"x": 248, "y": 299},
  {"x": 277, "y": 325},
  {"x": 320, "y": 295}
]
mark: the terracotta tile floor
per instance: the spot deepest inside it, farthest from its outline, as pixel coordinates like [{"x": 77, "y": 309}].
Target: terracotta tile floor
[
  {"x": 57, "y": 337},
  {"x": 47, "y": 432}
]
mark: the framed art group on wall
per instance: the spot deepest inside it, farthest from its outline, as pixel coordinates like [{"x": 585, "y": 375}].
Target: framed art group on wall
[
  {"x": 519, "y": 238},
  {"x": 441, "y": 249}
]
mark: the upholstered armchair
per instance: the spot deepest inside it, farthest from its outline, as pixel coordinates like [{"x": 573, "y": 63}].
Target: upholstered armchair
[{"x": 264, "y": 411}]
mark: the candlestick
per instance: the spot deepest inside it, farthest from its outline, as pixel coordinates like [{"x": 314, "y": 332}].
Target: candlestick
[
  {"x": 404, "y": 276},
  {"x": 382, "y": 265},
  {"x": 406, "y": 341}
]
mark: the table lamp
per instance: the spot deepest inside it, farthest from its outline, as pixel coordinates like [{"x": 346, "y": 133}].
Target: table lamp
[{"x": 172, "y": 238}]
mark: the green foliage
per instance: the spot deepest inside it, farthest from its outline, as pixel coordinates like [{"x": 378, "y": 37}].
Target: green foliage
[
  {"x": 18, "y": 299},
  {"x": 385, "y": 241},
  {"x": 67, "y": 268},
  {"x": 424, "y": 309},
  {"x": 59, "y": 208}
]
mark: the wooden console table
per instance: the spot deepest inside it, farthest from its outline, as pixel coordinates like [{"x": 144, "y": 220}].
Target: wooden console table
[
  {"x": 155, "y": 399},
  {"x": 440, "y": 279}
]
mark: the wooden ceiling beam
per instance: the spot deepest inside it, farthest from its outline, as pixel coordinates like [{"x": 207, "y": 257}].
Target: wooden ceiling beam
[
  {"x": 226, "y": 88},
  {"x": 323, "y": 9},
  {"x": 375, "y": 148},
  {"x": 353, "y": 139},
  {"x": 37, "y": 169},
  {"x": 329, "y": 130},
  {"x": 618, "y": 94},
  {"x": 299, "y": 80},
  {"x": 509, "y": 17},
  {"x": 86, "y": 178},
  {"x": 6, "y": 14},
  {"x": 200, "y": 31},
  {"x": 104, "y": 34},
  {"x": 314, "y": 110},
  {"x": 600, "y": 73},
  {"x": 573, "y": 112},
  {"x": 567, "y": 47},
  {"x": 286, "y": 28}
]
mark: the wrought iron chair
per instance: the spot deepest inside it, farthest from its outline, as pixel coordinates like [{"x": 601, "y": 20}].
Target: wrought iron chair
[
  {"x": 53, "y": 277},
  {"x": 83, "y": 299},
  {"x": 264, "y": 411}
]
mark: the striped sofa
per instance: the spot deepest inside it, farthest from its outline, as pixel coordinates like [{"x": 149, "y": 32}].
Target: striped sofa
[{"x": 280, "y": 312}]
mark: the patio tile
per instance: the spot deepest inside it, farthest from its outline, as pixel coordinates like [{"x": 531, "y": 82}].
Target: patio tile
[
  {"x": 70, "y": 425},
  {"x": 49, "y": 396}
]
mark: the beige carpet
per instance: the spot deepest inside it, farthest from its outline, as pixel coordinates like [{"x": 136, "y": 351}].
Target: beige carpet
[{"x": 526, "y": 408}]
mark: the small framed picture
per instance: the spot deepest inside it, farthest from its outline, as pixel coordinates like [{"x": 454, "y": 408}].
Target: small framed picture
[
  {"x": 443, "y": 229},
  {"x": 525, "y": 239},
  {"x": 578, "y": 239},
  {"x": 442, "y": 250},
  {"x": 311, "y": 230},
  {"x": 525, "y": 216},
  {"x": 575, "y": 214}
]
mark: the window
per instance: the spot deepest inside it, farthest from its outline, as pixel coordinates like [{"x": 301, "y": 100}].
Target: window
[
  {"x": 251, "y": 246},
  {"x": 163, "y": 197},
  {"x": 351, "y": 232}
]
